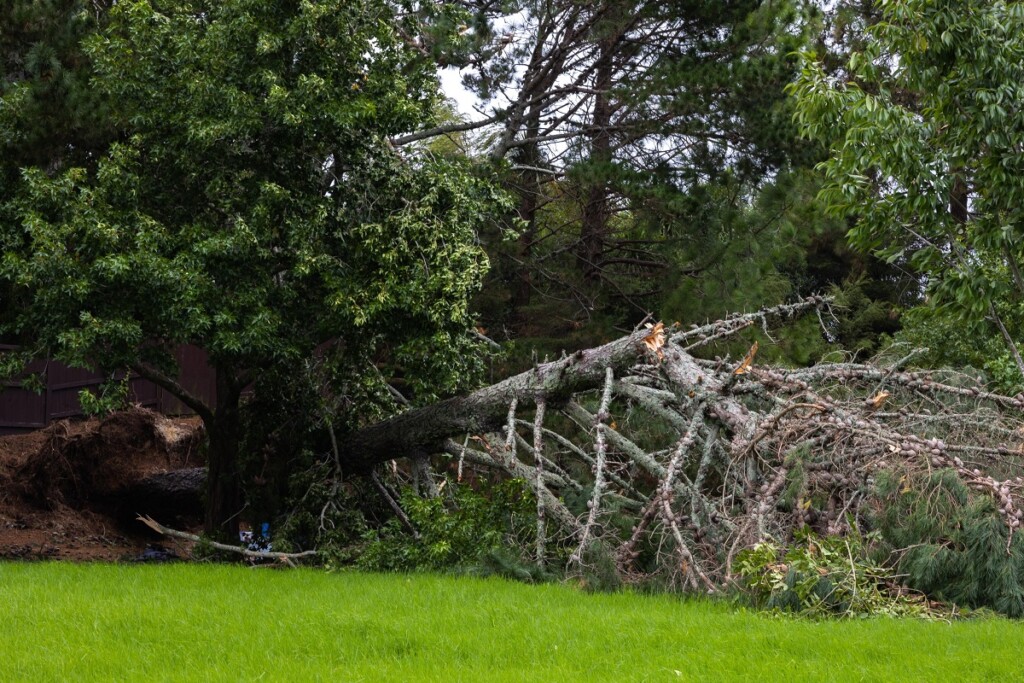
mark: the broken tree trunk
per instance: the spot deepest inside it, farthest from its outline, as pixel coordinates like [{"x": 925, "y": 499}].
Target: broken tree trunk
[{"x": 426, "y": 429}]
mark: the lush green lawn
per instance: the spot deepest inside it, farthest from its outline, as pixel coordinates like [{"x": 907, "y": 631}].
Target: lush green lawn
[{"x": 188, "y": 622}]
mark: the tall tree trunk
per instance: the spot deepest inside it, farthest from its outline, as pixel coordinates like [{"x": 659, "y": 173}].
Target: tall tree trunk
[
  {"x": 223, "y": 501},
  {"x": 596, "y": 212},
  {"x": 529, "y": 202}
]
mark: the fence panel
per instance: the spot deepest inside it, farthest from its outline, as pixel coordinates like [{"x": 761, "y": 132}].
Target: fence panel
[
  {"x": 195, "y": 375},
  {"x": 24, "y": 410},
  {"x": 21, "y": 409}
]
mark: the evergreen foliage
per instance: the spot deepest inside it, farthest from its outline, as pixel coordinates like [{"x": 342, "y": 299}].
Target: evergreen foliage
[
  {"x": 648, "y": 172},
  {"x": 951, "y": 544},
  {"x": 50, "y": 116}
]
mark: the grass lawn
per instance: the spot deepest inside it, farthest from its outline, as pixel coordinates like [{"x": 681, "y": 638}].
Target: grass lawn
[{"x": 62, "y": 622}]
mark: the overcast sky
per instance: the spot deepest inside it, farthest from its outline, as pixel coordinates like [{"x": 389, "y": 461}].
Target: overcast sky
[{"x": 451, "y": 84}]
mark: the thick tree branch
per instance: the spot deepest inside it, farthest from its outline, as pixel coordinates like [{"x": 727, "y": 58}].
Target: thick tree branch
[
  {"x": 181, "y": 393},
  {"x": 426, "y": 429},
  {"x": 444, "y": 130},
  {"x": 287, "y": 558}
]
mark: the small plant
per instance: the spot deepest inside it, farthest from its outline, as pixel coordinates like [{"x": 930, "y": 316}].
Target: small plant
[
  {"x": 824, "y": 577},
  {"x": 460, "y": 529},
  {"x": 112, "y": 396}
]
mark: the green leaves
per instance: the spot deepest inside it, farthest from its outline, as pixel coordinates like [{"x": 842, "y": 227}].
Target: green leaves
[
  {"x": 824, "y": 577},
  {"x": 924, "y": 146},
  {"x": 251, "y": 204},
  {"x": 456, "y": 530}
]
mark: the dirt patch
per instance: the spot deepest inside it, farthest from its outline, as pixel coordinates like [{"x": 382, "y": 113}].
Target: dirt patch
[{"x": 66, "y": 491}]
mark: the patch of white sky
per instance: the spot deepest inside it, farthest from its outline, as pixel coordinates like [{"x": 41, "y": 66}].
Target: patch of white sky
[{"x": 467, "y": 103}]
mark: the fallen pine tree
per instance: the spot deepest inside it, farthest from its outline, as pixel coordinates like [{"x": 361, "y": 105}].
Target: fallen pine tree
[
  {"x": 687, "y": 462},
  {"x": 660, "y": 464}
]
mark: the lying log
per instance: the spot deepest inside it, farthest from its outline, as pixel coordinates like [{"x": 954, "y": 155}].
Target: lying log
[
  {"x": 706, "y": 458},
  {"x": 425, "y": 430},
  {"x": 173, "y": 495}
]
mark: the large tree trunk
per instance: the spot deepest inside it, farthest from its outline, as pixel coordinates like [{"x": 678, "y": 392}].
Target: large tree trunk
[
  {"x": 426, "y": 429},
  {"x": 223, "y": 501},
  {"x": 174, "y": 497},
  {"x": 596, "y": 208},
  {"x": 421, "y": 430},
  {"x": 529, "y": 202}
]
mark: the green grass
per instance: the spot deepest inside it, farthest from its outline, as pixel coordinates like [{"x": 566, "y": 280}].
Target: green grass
[{"x": 63, "y": 622}]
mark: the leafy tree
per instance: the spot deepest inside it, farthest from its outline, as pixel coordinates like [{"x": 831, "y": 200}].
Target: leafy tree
[
  {"x": 251, "y": 205},
  {"x": 925, "y": 134},
  {"x": 49, "y": 117}
]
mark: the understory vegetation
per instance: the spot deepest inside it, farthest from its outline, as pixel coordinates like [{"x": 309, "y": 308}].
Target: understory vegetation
[{"x": 95, "y": 622}]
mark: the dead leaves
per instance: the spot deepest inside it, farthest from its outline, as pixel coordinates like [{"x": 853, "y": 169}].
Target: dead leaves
[{"x": 878, "y": 400}]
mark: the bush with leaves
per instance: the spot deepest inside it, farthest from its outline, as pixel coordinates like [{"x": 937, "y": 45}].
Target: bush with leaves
[
  {"x": 320, "y": 512},
  {"x": 461, "y": 528},
  {"x": 830, "y": 576},
  {"x": 939, "y": 337}
]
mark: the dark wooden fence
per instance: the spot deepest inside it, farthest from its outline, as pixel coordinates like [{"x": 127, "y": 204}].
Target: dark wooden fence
[{"x": 23, "y": 410}]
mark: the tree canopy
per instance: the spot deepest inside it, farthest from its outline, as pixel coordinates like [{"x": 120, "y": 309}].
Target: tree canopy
[
  {"x": 250, "y": 203},
  {"x": 925, "y": 130}
]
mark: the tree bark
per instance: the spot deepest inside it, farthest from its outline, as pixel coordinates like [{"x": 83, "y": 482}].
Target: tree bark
[
  {"x": 426, "y": 429},
  {"x": 223, "y": 486},
  {"x": 529, "y": 193},
  {"x": 595, "y": 215},
  {"x": 173, "y": 495}
]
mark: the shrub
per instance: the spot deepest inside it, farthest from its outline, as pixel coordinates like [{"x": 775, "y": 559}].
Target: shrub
[
  {"x": 460, "y": 529},
  {"x": 823, "y": 577}
]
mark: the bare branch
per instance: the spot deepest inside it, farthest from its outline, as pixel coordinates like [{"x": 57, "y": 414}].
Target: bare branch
[
  {"x": 286, "y": 558},
  {"x": 599, "y": 464}
]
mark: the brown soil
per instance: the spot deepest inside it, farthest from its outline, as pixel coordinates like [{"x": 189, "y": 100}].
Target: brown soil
[{"x": 61, "y": 488}]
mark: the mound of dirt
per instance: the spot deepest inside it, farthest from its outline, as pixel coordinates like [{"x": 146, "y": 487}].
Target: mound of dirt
[
  {"x": 95, "y": 466},
  {"x": 72, "y": 490}
]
